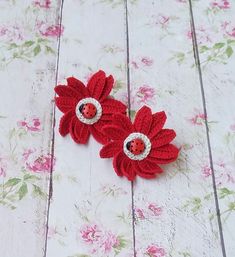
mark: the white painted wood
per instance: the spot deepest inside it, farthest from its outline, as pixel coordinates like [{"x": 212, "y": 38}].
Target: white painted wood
[
  {"x": 173, "y": 213},
  {"x": 218, "y": 61},
  {"x": 27, "y": 72},
  {"x": 90, "y": 212}
]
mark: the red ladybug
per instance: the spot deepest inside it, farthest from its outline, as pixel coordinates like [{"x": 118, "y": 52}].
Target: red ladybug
[
  {"x": 88, "y": 110},
  {"x": 136, "y": 146}
]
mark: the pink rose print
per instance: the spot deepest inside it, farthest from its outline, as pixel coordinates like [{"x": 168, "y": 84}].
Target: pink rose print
[
  {"x": 147, "y": 61},
  {"x": 206, "y": 171},
  {"x": 142, "y": 62},
  {"x": 221, "y": 4},
  {"x": 32, "y": 125},
  {"x": 99, "y": 240},
  {"x": 203, "y": 35},
  {"x": 43, "y": 3},
  {"x": 139, "y": 213},
  {"x": 140, "y": 96},
  {"x": 163, "y": 20},
  {"x": 50, "y": 30},
  {"x": 90, "y": 233},
  {"x": 109, "y": 241},
  {"x": 198, "y": 118},
  {"x": 156, "y": 210},
  {"x": 223, "y": 173},
  {"x": 11, "y": 33},
  {"x": 228, "y": 28},
  {"x": 155, "y": 251},
  {"x": 145, "y": 94},
  {"x": 38, "y": 164}
]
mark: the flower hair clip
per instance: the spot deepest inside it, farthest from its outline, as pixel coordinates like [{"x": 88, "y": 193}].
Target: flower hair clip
[
  {"x": 87, "y": 109},
  {"x": 139, "y": 148}
]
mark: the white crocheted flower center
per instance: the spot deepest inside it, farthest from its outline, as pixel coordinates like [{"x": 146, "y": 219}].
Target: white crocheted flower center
[
  {"x": 147, "y": 144},
  {"x": 98, "y": 110}
]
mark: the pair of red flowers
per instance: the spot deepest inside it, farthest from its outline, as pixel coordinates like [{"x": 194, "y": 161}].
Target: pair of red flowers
[{"x": 137, "y": 148}]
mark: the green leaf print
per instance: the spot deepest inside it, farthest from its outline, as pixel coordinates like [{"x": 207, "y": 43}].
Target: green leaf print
[{"x": 23, "y": 190}]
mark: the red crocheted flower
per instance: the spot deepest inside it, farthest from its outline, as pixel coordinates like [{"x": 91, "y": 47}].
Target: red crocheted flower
[
  {"x": 87, "y": 109},
  {"x": 140, "y": 147}
]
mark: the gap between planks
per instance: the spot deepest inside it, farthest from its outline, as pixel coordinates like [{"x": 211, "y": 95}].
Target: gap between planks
[
  {"x": 50, "y": 190},
  {"x": 198, "y": 65}
]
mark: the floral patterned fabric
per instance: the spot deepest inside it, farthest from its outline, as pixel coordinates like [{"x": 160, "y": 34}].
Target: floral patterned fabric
[{"x": 175, "y": 215}]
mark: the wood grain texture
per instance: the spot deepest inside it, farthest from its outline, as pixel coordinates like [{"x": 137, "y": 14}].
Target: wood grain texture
[
  {"x": 27, "y": 71},
  {"x": 176, "y": 56},
  {"x": 175, "y": 213},
  {"x": 90, "y": 212},
  {"x": 216, "y": 53}
]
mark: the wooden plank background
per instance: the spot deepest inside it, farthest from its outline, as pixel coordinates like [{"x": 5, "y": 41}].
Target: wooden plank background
[{"x": 60, "y": 199}]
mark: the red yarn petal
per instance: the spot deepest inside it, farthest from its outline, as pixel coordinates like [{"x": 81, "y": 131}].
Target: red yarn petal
[
  {"x": 78, "y": 86},
  {"x": 81, "y": 132},
  {"x": 68, "y": 91},
  {"x": 72, "y": 128},
  {"x": 65, "y": 122},
  {"x": 108, "y": 87},
  {"x": 145, "y": 175},
  {"x": 65, "y": 104},
  {"x": 128, "y": 169},
  {"x": 143, "y": 120},
  {"x": 164, "y": 137},
  {"x": 114, "y": 132},
  {"x": 98, "y": 134},
  {"x": 96, "y": 84},
  {"x": 111, "y": 106},
  {"x": 149, "y": 167},
  {"x": 110, "y": 149},
  {"x": 159, "y": 119},
  {"x": 117, "y": 161},
  {"x": 122, "y": 121},
  {"x": 164, "y": 154}
]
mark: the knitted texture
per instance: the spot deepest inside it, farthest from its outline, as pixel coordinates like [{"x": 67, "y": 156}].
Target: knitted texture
[
  {"x": 72, "y": 100},
  {"x": 148, "y": 129}
]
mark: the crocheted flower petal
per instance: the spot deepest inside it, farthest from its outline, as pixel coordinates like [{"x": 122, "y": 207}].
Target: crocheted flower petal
[
  {"x": 143, "y": 120},
  {"x": 145, "y": 175},
  {"x": 98, "y": 134},
  {"x": 110, "y": 149},
  {"x": 149, "y": 167},
  {"x": 165, "y": 154},
  {"x": 113, "y": 106},
  {"x": 122, "y": 121},
  {"x": 78, "y": 131},
  {"x": 117, "y": 160},
  {"x": 159, "y": 119},
  {"x": 164, "y": 137},
  {"x": 68, "y": 91},
  {"x": 81, "y": 132},
  {"x": 65, "y": 104},
  {"x": 107, "y": 88},
  {"x": 96, "y": 84},
  {"x": 128, "y": 169},
  {"x": 114, "y": 132},
  {"x": 78, "y": 86},
  {"x": 65, "y": 122}
]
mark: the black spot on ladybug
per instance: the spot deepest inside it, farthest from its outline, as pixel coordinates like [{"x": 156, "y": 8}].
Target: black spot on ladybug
[
  {"x": 128, "y": 146},
  {"x": 81, "y": 108}
]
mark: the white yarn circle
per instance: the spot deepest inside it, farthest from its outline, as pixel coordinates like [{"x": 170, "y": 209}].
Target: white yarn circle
[
  {"x": 146, "y": 151},
  {"x": 98, "y": 110}
]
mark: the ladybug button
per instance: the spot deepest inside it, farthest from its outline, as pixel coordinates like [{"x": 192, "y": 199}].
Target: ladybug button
[
  {"x": 88, "y": 110},
  {"x": 136, "y": 146}
]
